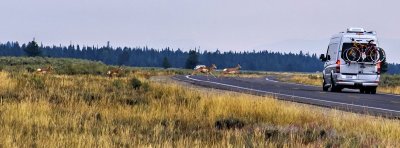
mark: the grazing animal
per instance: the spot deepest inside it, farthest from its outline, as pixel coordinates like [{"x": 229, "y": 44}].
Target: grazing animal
[
  {"x": 235, "y": 70},
  {"x": 114, "y": 72},
  {"x": 44, "y": 70},
  {"x": 204, "y": 69}
]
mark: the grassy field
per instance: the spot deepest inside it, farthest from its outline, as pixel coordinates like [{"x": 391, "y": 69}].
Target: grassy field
[{"x": 140, "y": 109}]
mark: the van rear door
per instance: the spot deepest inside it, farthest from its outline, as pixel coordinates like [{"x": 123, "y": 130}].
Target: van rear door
[
  {"x": 356, "y": 67},
  {"x": 352, "y": 68},
  {"x": 359, "y": 71},
  {"x": 367, "y": 68}
]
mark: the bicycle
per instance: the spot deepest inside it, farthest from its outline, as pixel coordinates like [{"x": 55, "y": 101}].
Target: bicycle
[
  {"x": 382, "y": 54},
  {"x": 364, "y": 53},
  {"x": 373, "y": 54},
  {"x": 354, "y": 53}
]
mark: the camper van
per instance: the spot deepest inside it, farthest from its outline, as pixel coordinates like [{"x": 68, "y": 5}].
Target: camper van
[{"x": 349, "y": 62}]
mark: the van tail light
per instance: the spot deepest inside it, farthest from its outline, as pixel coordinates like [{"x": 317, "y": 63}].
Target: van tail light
[
  {"x": 338, "y": 66},
  {"x": 378, "y": 67}
]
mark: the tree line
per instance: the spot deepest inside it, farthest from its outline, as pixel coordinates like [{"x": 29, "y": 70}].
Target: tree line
[{"x": 167, "y": 57}]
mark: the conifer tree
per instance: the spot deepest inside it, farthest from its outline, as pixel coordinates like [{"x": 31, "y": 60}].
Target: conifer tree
[
  {"x": 192, "y": 60},
  {"x": 165, "y": 63},
  {"x": 32, "y": 49}
]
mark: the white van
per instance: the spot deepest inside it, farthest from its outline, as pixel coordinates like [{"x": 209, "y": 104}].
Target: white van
[{"x": 340, "y": 72}]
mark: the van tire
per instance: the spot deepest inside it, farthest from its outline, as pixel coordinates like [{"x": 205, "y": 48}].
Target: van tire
[
  {"x": 362, "y": 90},
  {"x": 368, "y": 90},
  {"x": 334, "y": 88},
  {"x": 373, "y": 90},
  {"x": 323, "y": 86}
]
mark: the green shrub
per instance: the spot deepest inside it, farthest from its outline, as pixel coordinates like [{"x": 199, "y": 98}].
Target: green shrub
[
  {"x": 30, "y": 69},
  {"x": 118, "y": 84},
  {"x": 135, "y": 83},
  {"x": 38, "y": 82},
  {"x": 83, "y": 68},
  {"x": 390, "y": 80},
  {"x": 90, "y": 97},
  {"x": 60, "y": 65}
]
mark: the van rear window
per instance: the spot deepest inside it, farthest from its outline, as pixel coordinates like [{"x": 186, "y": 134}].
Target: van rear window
[{"x": 347, "y": 46}]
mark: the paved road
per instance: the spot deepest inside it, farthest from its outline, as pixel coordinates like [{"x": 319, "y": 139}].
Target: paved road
[{"x": 349, "y": 100}]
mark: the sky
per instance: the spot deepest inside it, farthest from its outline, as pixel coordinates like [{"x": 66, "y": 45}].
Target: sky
[{"x": 238, "y": 25}]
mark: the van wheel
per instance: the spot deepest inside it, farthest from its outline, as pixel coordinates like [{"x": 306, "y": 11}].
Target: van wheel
[
  {"x": 367, "y": 90},
  {"x": 373, "y": 90},
  {"x": 324, "y": 88},
  {"x": 362, "y": 90},
  {"x": 334, "y": 88}
]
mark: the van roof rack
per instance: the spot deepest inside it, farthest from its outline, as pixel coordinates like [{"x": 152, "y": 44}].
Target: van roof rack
[
  {"x": 355, "y": 30},
  {"x": 371, "y": 32}
]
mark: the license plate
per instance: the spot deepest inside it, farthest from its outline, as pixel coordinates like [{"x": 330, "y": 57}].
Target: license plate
[{"x": 349, "y": 77}]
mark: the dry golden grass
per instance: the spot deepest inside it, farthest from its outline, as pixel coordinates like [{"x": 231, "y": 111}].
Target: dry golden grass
[
  {"x": 94, "y": 111},
  {"x": 309, "y": 79},
  {"x": 389, "y": 89}
]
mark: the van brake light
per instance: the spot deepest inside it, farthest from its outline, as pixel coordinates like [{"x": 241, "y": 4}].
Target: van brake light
[{"x": 338, "y": 66}]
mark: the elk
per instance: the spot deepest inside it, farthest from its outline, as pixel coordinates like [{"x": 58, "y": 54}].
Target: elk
[
  {"x": 204, "y": 69},
  {"x": 114, "y": 72},
  {"x": 44, "y": 70},
  {"x": 235, "y": 70}
]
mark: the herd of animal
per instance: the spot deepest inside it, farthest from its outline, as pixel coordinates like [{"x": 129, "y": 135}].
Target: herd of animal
[
  {"x": 110, "y": 73},
  {"x": 198, "y": 69},
  {"x": 209, "y": 69}
]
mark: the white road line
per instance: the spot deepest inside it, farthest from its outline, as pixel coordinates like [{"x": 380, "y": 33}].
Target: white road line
[
  {"x": 271, "y": 80},
  {"x": 273, "y": 93}
]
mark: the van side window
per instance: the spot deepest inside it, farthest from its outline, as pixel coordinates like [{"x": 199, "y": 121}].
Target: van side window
[
  {"x": 327, "y": 51},
  {"x": 333, "y": 51}
]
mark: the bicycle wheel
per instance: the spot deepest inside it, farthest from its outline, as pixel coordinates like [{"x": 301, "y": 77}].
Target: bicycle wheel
[
  {"x": 382, "y": 54},
  {"x": 372, "y": 55},
  {"x": 352, "y": 55}
]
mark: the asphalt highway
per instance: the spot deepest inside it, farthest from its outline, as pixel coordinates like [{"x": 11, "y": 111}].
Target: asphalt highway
[{"x": 386, "y": 105}]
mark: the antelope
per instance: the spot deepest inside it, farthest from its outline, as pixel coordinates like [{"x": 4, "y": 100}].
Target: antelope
[
  {"x": 114, "y": 72},
  {"x": 235, "y": 70},
  {"x": 44, "y": 70},
  {"x": 204, "y": 69}
]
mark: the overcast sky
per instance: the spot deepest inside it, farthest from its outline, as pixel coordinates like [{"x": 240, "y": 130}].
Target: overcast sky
[{"x": 279, "y": 25}]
